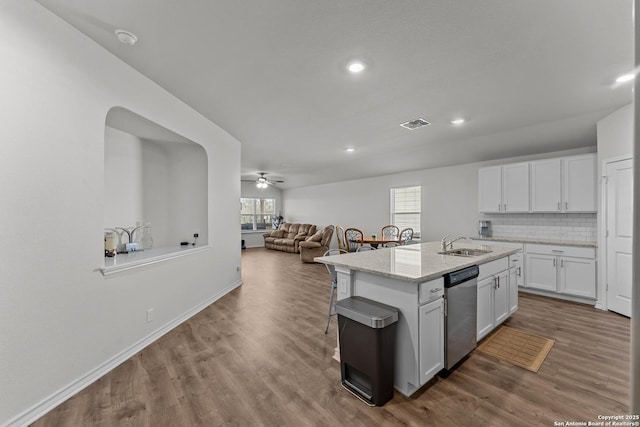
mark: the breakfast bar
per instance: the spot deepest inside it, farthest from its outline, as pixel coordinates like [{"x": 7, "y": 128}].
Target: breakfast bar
[{"x": 411, "y": 279}]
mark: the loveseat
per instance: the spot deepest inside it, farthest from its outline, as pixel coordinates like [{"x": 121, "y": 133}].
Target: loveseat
[
  {"x": 316, "y": 245},
  {"x": 288, "y": 237}
]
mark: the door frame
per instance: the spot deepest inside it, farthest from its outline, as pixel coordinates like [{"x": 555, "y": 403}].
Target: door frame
[{"x": 601, "y": 267}]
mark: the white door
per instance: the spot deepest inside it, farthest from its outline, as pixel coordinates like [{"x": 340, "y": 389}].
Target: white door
[
  {"x": 619, "y": 217},
  {"x": 490, "y": 189},
  {"x": 501, "y": 298},
  {"x": 515, "y": 187},
  {"x": 485, "y": 307},
  {"x": 546, "y": 183},
  {"x": 431, "y": 340},
  {"x": 541, "y": 272},
  {"x": 577, "y": 277}
]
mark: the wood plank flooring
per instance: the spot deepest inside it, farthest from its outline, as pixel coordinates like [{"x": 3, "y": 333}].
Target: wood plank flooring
[{"x": 259, "y": 357}]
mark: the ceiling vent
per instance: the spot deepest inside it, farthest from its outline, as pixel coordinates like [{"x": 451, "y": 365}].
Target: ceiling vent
[{"x": 415, "y": 124}]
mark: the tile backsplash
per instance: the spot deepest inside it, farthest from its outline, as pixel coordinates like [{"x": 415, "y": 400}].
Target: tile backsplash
[{"x": 571, "y": 226}]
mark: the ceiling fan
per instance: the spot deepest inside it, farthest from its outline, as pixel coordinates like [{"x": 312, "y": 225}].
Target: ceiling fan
[{"x": 262, "y": 182}]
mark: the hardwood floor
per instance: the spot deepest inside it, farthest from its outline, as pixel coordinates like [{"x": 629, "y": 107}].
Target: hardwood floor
[{"x": 259, "y": 356}]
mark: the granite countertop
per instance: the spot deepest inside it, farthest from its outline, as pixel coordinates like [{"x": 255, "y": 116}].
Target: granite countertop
[
  {"x": 413, "y": 263},
  {"x": 578, "y": 243}
]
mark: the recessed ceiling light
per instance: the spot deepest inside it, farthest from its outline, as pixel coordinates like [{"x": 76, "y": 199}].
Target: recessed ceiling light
[
  {"x": 350, "y": 150},
  {"x": 625, "y": 78},
  {"x": 457, "y": 121},
  {"x": 355, "y": 67},
  {"x": 126, "y": 37}
]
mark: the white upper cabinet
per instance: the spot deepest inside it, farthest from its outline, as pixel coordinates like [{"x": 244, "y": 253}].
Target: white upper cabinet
[
  {"x": 546, "y": 185},
  {"x": 579, "y": 183},
  {"x": 566, "y": 184},
  {"x": 504, "y": 188},
  {"x": 515, "y": 187},
  {"x": 490, "y": 189}
]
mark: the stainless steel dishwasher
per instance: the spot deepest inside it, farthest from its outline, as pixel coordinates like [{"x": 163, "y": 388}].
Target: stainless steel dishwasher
[{"x": 461, "y": 302}]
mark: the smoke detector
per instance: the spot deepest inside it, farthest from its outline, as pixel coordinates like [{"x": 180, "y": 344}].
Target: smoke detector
[
  {"x": 415, "y": 124},
  {"x": 126, "y": 37}
]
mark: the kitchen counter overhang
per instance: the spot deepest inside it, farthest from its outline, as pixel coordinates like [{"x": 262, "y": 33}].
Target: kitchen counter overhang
[{"x": 414, "y": 263}]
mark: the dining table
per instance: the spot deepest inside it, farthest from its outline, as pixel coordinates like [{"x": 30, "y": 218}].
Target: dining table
[{"x": 375, "y": 240}]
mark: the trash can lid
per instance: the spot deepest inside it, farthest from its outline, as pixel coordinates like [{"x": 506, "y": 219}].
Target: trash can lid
[{"x": 371, "y": 313}]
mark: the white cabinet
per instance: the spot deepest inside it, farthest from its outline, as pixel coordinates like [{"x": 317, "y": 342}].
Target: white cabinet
[
  {"x": 493, "y": 296},
  {"x": 515, "y": 280},
  {"x": 490, "y": 189},
  {"x": 561, "y": 269},
  {"x": 431, "y": 339},
  {"x": 515, "y": 187},
  {"x": 504, "y": 188},
  {"x": 579, "y": 183},
  {"x": 485, "y": 307},
  {"x": 577, "y": 277},
  {"x": 546, "y": 185},
  {"x": 563, "y": 184}
]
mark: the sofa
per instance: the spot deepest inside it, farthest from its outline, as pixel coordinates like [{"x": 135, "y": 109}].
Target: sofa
[
  {"x": 316, "y": 245},
  {"x": 288, "y": 237}
]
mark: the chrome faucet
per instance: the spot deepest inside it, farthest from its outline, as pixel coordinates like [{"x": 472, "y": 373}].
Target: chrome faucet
[{"x": 444, "y": 243}]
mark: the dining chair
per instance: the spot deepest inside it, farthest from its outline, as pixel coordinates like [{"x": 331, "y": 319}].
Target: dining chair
[
  {"x": 365, "y": 248},
  {"x": 340, "y": 237},
  {"x": 353, "y": 239},
  {"x": 334, "y": 285},
  {"x": 391, "y": 232},
  {"x": 406, "y": 235}
]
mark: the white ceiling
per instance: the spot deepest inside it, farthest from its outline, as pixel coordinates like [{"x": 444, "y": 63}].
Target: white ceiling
[{"x": 528, "y": 76}]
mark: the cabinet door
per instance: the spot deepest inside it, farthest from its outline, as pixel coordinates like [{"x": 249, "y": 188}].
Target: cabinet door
[
  {"x": 579, "y": 183},
  {"x": 515, "y": 187},
  {"x": 546, "y": 184},
  {"x": 514, "y": 279},
  {"x": 541, "y": 272},
  {"x": 578, "y": 277},
  {"x": 490, "y": 189},
  {"x": 431, "y": 340},
  {"x": 501, "y": 298},
  {"x": 485, "y": 307}
]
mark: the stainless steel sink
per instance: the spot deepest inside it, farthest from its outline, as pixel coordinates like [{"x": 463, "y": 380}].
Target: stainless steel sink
[{"x": 468, "y": 252}]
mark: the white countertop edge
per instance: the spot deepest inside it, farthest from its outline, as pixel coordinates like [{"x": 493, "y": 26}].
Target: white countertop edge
[
  {"x": 152, "y": 259},
  {"x": 469, "y": 261}
]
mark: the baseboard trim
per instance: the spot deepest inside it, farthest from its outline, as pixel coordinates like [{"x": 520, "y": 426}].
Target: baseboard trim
[
  {"x": 47, "y": 404},
  {"x": 555, "y": 295}
]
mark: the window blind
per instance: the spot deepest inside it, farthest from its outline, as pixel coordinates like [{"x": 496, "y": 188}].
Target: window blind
[{"x": 406, "y": 208}]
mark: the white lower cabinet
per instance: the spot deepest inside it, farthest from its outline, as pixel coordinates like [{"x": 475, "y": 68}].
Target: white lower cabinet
[
  {"x": 494, "y": 297},
  {"x": 431, "y": 339},
  {"x": 516, "y": 280},
  {"x": 561, "y": 269}
]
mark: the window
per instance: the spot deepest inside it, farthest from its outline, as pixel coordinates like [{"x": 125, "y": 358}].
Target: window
[
  {"x": 257, "y": 214},
  {"x": 405, "y": 208}
]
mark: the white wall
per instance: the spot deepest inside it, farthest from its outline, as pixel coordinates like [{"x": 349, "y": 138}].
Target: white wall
[
  {"x": 62, "y": 324},
  {"x": 615, "y": 140},
  {"x": 449, "y": 199}
]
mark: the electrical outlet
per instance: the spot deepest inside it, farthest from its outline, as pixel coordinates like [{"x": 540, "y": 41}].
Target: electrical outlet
[{"x": 150, "y": 315}]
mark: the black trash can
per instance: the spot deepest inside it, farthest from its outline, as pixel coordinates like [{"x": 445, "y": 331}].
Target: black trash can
[{"x": 367, "y": 332}]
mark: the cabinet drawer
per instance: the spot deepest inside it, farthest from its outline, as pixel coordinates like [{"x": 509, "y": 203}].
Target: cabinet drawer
[
  {"x": 557, "y": 250},
  {"x": 493, "y": 267},
  {"x": 431, "y": 290}
]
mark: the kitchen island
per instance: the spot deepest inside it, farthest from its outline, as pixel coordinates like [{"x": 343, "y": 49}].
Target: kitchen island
[{"x": 410, "y": 278}]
